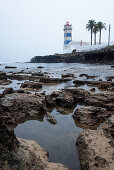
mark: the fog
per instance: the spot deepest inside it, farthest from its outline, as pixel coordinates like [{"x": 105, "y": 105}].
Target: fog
[{"x": 35, "y": 27}]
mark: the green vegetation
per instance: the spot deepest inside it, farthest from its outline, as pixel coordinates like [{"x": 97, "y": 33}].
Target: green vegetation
[{"x": 94, "y": 28}]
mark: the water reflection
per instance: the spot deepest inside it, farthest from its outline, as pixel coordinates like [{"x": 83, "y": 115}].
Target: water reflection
[{"x": 59, "y": 140}]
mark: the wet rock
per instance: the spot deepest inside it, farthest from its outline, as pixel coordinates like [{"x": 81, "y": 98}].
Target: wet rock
[
  {"x": 79, "y": 82},
  {"x": 90, "y": 115},
  {"x": 53, "y": 80},
  {"x": 33, "y": 85},
  {"x": 5, "y": 82},
  {"x": 8, "y": 91},
  {"x": 51, "y": 118},
  {"x": 3, "y": 76},
  {"x": 51, "y": 99},
  {"x": 7, "y": 67},
  {"x": 65, "y": 99},
  {"x": 17, "y": 106},
  {"x": 67, "y": 75},
  {"x": 93, "y": 89},
  {"x": 40, "y": 67},
  {"x": 105, "y": 100},
  {"x": 100, "y": 79},
  {"x": 110, "y": 77},
  {"x": 95, "y": 150},
  {"x": 87, "y": 76},
  {"x": 37, "y": 74}
]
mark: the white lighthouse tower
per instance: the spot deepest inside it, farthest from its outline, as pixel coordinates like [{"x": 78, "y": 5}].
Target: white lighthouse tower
[{"x": 67, "y": 34}]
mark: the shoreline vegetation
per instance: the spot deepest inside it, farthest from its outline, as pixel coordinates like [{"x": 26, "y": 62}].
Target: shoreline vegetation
[
  {"x": 96, "y": 115},
  {"x": 103, "y": 56}
]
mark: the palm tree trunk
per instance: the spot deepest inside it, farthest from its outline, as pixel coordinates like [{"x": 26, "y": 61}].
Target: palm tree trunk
[
  {"x": 91, "y": 36},
  {"x": 100, "y": 37},
  {"x": 95, "y": 39}
]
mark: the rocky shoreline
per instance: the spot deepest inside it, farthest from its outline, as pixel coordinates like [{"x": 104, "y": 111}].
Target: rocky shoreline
[
  {"x": 95, "y": 144},
  {"x": 103, "y": 56}
]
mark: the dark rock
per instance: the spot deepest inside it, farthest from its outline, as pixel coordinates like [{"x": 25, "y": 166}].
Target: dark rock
[
  {"x": 7, "y": 138},
  {"x": 67, "y": 75},
  {"x": 37, "y": 74},
  {"x": 53, "y": 80},
  {"x": 93, "y": 89},
  {"x": 8, "y": 91},
  {"x": 87, "y": 76},
  {"x": 40, "y": 67},
  {"x": 33, "y": 85},
  {"x": 3, "y": 76},
  {"x": 112, "y": 66},
  {"x": 9, "y": 67}
]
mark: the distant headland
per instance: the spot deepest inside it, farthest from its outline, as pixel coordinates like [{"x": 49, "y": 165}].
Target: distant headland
[{"x": 102, "y": 56}]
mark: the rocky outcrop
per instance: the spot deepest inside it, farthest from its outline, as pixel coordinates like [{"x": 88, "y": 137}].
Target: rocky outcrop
[
  {"x": 99, "y": 56},
  {"x": 96, "y": 150},
  {"x": 90, "y": 115},
  {"x": 16, "y": 106},
  {"x": 54, "y": 80},
  {"x": 105, "y": 100},
  {"x": 30, "y": 84},
  {"x": 29, "y": 155}
]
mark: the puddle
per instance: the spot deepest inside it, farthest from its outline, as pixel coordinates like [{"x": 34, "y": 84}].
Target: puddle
[{"x": 59, "y": 140}]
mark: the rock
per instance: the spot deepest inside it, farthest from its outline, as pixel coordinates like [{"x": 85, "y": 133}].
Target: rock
[
  {"x": 53, "y": 80},
  {"x": 65, "y": 99},
  {"x": 30, "y": 84},
  {"x": 74, "y": 51},
  {"x": 95, "y": 150},
  {"x": 105, "y": 100},
  {"x": 7, "y": 67},
  {"x": 93, "y": 89},
  {"x": 8, "y": 91},
  {"x": 37, "y": 74},
  {"x": 109, "y": 79},
  {"x": 40, "y": 67},
  {"x": 5, "y": 82},
  {"x": 100, "y": 79},
  {"x": 90, "y": 115},
  {"x": 79, "y": 82},
  {"x": 17, "y": 106},
  {"x": 112, "y": 66},
  {"x": 3, "y": 76},
  {"x": 30, "y": 155},
  {"x": 67, "y": 75},
  {"x": 87, "y": 76},
  {"x": 7, "y": 138},
  {"x": 51, "y": 118}
]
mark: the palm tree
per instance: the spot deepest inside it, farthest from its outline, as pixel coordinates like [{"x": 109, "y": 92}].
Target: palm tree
[
  {"x": 90, "y": 26},
  {"x": 95, "y": 30},
  {"x": 101, "y": 26}
]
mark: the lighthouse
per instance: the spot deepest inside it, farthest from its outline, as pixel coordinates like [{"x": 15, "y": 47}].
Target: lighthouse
[{"x": 67, "y": 34}]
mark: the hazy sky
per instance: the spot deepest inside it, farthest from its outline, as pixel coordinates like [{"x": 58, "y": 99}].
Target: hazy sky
[{"x": 35, "y": 27}]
